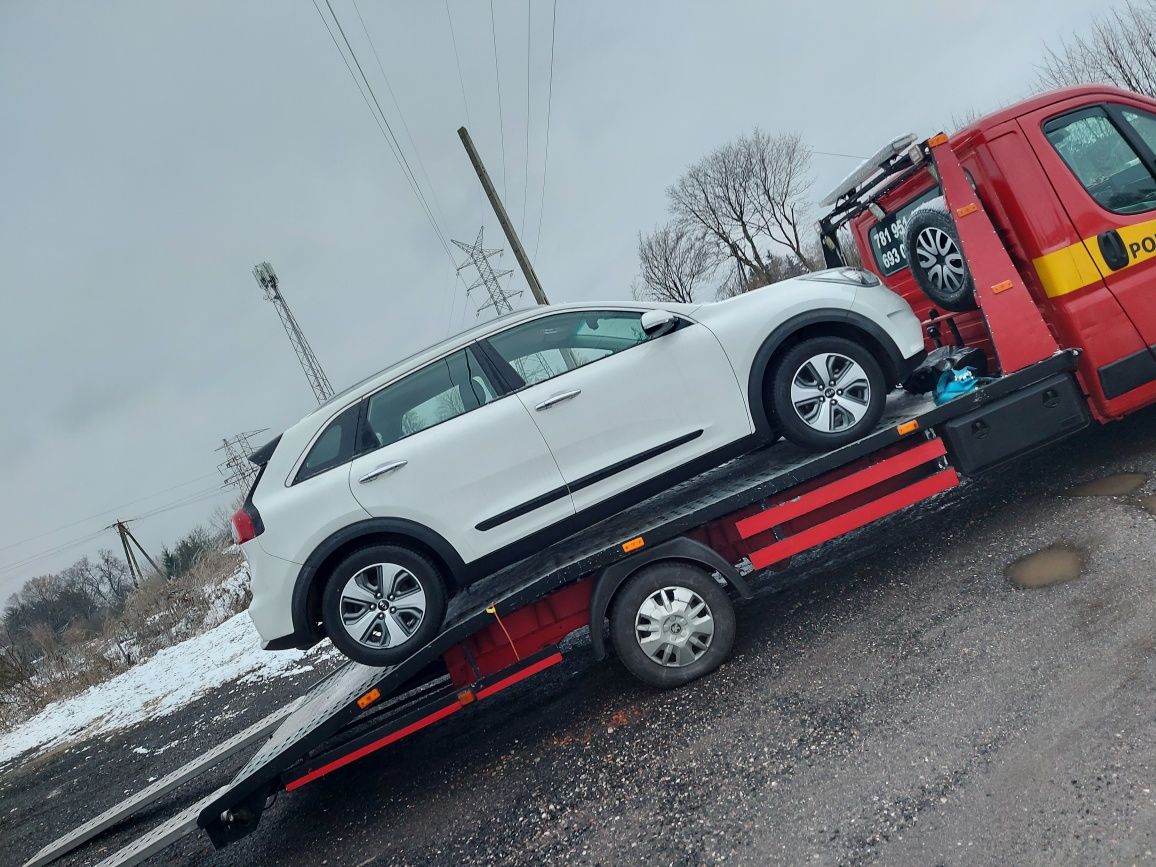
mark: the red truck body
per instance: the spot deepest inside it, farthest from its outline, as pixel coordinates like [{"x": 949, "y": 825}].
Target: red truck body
[{"x": 1068, "y": 179}]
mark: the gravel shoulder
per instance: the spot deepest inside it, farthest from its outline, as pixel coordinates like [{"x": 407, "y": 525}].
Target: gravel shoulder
[{"x": 900, "y": 701}]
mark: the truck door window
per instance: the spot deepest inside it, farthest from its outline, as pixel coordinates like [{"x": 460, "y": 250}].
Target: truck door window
[
  {"x": 1143, "y": 123},
  {"x": 1101, "y": 158}
]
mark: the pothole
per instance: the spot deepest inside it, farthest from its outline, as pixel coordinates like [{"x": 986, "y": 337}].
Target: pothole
[
  {"x": 1053, "y": 565},
  {"x": 1115, "y": 485}
]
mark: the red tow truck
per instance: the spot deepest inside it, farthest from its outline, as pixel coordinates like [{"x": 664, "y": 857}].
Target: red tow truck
[
  {"x": 1067, "y": 181},
  {"x": 1027, "y": 235}
]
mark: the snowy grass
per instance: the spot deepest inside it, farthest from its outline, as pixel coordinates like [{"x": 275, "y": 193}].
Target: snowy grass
[{"x": 166, "y": 681}]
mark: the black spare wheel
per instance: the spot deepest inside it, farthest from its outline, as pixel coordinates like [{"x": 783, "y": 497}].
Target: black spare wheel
[{"x": 935, "y": 257}]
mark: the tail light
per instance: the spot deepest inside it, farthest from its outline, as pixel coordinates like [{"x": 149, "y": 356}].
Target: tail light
[{"x": 245, "y": 524}]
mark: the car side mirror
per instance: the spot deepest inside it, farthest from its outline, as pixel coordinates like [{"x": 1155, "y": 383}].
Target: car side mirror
[{"x": 658, "y": 322}]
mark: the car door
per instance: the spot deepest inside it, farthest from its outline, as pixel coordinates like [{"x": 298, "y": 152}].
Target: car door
[
  {"x": 618, "y": 407},
  {"x": 443, "y": 446},
  {"x": 1100, "y": 159}
]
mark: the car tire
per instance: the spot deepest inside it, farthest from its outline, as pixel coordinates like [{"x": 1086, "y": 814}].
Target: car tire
[
  {"x": 935, "y": 257},
  {"x": 835, "y": 414},
  {"x": 357, "y": 607},
  {"x": 671, "y": 596}
]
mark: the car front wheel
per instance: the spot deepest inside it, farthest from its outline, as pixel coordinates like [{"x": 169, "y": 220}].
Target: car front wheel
[
  {"x": 826, "y": 392},
  {"x": 382, "y": 603}
]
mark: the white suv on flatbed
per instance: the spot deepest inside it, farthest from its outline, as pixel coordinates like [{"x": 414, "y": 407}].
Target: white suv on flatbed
[{"x": 374, "y": 509}]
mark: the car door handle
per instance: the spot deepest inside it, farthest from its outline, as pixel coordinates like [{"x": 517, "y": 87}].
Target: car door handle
[
  {"x": 382, "y": 470},
  {"x": 558, "y": 398}
]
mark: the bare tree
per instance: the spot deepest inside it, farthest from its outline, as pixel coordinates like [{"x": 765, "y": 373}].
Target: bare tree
[
  {"x": 747, "y": 195},
  {"x": 675, "y": 263},
  {"x": 1118, "y": 49}
]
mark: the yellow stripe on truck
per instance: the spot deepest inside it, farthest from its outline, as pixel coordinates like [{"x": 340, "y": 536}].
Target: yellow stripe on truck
[{"x": 1081, "y": 264}]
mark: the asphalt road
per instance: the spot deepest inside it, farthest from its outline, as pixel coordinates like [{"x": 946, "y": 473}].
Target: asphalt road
[{"x": 903, "y": 703}]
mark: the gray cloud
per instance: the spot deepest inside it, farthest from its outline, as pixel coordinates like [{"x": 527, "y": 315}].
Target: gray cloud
[{"x": 155, "y": 152}]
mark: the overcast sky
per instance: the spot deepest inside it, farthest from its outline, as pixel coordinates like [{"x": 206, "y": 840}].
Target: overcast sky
[{"x": 153, "y": 152}]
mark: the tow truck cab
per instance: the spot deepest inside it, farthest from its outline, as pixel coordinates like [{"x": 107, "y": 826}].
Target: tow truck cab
[{"x": 1068, "y": 179}]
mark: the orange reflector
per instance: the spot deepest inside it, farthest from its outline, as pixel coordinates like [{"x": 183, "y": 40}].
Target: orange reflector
[
  {"x": 633, "y": 545},
  {"x": 369, "y": 698},
  {"x": 966, "y": 209},
  {"x": 466, "y": 696},
  {"x": 907, "y": 427},
  {"x": 937, "y": 140},
  {"x": 1002, "y": 287}
]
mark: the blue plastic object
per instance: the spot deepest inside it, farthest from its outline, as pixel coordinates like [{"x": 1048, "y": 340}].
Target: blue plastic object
[{"x": 956, "y": 383}]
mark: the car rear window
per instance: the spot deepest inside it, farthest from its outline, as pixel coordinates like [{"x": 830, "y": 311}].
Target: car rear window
[{"x": 887, "y": 235}]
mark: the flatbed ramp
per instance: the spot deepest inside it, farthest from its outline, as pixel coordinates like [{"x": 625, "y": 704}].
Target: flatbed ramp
[{"x": 358, "y": 709}]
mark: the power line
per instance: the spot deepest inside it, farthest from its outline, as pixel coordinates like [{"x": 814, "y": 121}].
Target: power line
[
  {"x": 526, "y": 162},
  {"x": 188, "y": 500},
  {"x": 831, "y": 154},
  {"x": 457, "y": 57},
  {"x": 549, "y": 107},
  {"x": 399, "y": 151},
  {"x": 12, "y": 567},
  {"x": 390, "y": 139},
  {"x": 180, "y": 504},
  {"x": 103, "y": 512},
  {"x": 400, "y": 113},
  {"x": 498, "y": 82}
]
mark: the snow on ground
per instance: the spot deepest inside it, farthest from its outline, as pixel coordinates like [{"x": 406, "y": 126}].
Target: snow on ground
[{"x": 158, "y": 686}]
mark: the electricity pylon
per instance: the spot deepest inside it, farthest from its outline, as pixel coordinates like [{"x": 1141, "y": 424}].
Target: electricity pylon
[
  {"x": 488, "y": 278},
  {"x": 236, "y": 468},
  {"x": 318, "y": 381}
]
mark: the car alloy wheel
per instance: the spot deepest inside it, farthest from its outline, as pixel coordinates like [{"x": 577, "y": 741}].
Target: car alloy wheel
[
  {"x": 830, "y": 392},
  {"x": 382, "y": 605}
]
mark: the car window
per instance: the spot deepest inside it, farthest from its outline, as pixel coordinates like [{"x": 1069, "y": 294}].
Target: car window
[
  {"x": 553, "y": 345},
  {"x": 1103, "y": 161},
  {"x": 334, "y": 447},
  {"x": 438, "y": 392}
]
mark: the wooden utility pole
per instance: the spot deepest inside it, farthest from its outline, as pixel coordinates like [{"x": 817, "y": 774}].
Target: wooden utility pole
[
  {"x": 503, "y": 219},
  {"x": 128, "y": 540}
]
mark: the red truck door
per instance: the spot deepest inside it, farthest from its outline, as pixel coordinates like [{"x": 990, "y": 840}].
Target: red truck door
[{"x": 1101, "y": 159}]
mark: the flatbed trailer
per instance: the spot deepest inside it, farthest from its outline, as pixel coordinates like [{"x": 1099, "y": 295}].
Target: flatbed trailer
[{"x": 731, "y": 524}]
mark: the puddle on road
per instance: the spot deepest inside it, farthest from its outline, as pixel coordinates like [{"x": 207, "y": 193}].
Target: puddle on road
[
  {"x": 1149, "y": 504},
  {"x": 1116, "y": 485},
  {"x": 1053, "y": 565}
]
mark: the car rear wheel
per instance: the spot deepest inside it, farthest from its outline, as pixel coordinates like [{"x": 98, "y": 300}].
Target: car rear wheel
[
  {"x": 827, "y": 392},
  {"x": 671, "y": 623},
  {"x": 382, "y": 603}
]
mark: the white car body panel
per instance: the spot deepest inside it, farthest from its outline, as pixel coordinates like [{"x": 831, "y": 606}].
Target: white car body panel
[
  {"x": 493, "y": 459},
  {"x": 677, "y": 386}
]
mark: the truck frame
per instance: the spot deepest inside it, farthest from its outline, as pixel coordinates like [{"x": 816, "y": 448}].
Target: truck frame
[{"x": 732, "y": 524}]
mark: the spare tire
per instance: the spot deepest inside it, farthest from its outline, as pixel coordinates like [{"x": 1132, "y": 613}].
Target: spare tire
[{"x": 935, "y": 257}]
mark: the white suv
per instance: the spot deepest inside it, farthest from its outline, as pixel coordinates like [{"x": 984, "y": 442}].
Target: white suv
[{"x": 374, "y": 509}]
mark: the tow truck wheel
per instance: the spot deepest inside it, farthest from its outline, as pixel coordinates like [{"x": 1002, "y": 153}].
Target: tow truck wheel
[
  {"x": 671, "y": 623},
  {"x": 935, "y": 257},
  {"x": 382, "y": 603}
]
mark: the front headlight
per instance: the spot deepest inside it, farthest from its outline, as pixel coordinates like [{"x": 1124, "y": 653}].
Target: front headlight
[{"x": 854, "y": 276}]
